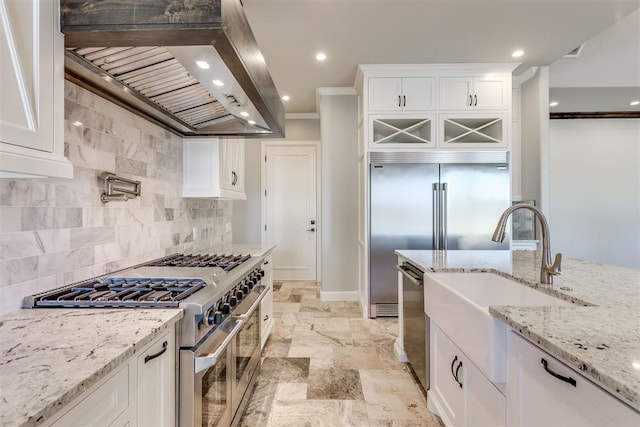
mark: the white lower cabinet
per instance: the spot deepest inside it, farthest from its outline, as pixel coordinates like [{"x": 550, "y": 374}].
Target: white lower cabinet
[
  {"x": 557, "y": 395},
  {"x": 141, "y": 392},
  {"x": 156, "y": 391},
  {"x": 460, "y": 394},
  {"x": 266, "y": 306},
  {"x": 108, "y": 404}
]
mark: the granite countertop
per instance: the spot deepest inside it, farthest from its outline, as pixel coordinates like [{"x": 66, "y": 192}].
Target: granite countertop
[
  {"x": 598, "y": 336},
  {"x": 48, "y": 357}
]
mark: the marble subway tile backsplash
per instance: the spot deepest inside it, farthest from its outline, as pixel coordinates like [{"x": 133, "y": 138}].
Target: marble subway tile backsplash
[{"x": 57, "y": 231}]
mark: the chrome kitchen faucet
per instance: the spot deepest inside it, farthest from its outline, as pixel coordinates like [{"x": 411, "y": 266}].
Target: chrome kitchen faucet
[{"x": 547, "y": 270}]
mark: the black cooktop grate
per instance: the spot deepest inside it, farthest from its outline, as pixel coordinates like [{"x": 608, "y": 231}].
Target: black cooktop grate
[
  {"x": 226, "y": 262},
  {"x": 123, "y": 292}
]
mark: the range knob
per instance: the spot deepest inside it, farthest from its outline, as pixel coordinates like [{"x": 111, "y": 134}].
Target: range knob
[
  {"x": 213, "y": 318},
  {"x": 208, "y": 318},
  {"x": 239, "y": 294},
  {"x": 261, "y": 273},
  {"x": 245, "y": 289},
  {"x": 254, "y": 280},
  {"x": 233, "y": 300},
  {"x": 226, "y": 308},
  {"x": 249, "y": 284}
]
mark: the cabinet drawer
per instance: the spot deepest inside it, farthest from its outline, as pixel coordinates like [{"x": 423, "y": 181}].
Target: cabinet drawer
[
  {"x": 103, "y": 406},
  {"x": 536, "y": 397}
]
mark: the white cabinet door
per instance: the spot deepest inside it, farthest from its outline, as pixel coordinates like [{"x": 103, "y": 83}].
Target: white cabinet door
[
  {"x": 446, "y": 392},
  {"x": 108, "y": 404},
  {"x": 418, "y": 93},
  {"x": 402, "y": 94},
  {"x": 462, "y": 395},
  {"x": 475, "y": 93},
  {"x": 156, "y": 376},
  {"x": 213, "y": 168},
  {"x": 491, "y": 93},
  {"x": 456, "y": 93},
  {"x": 32, "y": 101},
  {"x": 537, "y": 398},
  {"x": 232, "y": 165},
  {"x": 385, "y": 94},
  {"x": 266, "y": 306}
]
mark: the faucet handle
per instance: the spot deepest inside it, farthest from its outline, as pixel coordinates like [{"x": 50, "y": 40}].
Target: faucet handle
[{"x": 555, "y": 268}]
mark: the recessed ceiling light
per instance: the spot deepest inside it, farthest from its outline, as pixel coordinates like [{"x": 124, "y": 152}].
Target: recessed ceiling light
[
  {"x": 321, "y": 56},
  {"x": 553, "y": 104},
  {"x": 218, "y": 83},
  {"x": 251, "y": 122},
  {"x": 285, "y": 97},
  {"x": 244, "y": 114},
  {"x": 203, "y": 64},
  {"x": 518, "y": 53},
  {"x": 634, "y": 103}
]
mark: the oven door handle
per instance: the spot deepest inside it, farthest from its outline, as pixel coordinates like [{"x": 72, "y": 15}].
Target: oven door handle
[
  {"x": 205, "y": 362},
  {"x": 254, "y": 306}
]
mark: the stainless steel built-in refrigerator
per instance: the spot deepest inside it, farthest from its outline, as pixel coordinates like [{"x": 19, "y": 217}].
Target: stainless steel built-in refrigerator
[{"x": 430, "y": 200}]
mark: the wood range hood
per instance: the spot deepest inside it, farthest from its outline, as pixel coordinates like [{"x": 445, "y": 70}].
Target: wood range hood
[{"x": 143, "y": 56}]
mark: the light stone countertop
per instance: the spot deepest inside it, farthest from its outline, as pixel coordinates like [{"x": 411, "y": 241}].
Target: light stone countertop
[
  {"x": 48, "y": 357},
  {"x": 599, "y": 336}
]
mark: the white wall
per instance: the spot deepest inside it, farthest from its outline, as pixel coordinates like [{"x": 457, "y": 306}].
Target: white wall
[
  {"x": 534, "y": 113},
  {"x": 246, "y": 213},
  {"x": 594, "y": 210},
  {"x": 339, "y": 142}
]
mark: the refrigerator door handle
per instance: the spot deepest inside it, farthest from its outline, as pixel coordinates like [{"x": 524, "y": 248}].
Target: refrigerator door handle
[
  {"x": 436, "y": 216},
  {"x": 443, "y": 214}
]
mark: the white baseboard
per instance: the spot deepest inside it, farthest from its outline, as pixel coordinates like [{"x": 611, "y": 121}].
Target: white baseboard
[
  {"x": 339, "y": 296},
  {"x": 399, "y": 352}
]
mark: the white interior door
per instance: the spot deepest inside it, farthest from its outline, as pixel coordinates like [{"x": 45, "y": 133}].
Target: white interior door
[{"x": 289, "y": 219}]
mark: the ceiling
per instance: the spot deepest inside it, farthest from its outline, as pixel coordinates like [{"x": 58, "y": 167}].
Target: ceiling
[{"x": 352, "y": 32}]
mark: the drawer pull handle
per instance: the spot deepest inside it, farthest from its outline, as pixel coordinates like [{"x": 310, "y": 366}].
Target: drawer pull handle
[
  {"x": 458, "y": 369},
  {"x": 158, "y": 354},
  {"x": 558, "y": 376},
  {"x": 452, "y": 365},
  {"x": 266, "y": 317}
]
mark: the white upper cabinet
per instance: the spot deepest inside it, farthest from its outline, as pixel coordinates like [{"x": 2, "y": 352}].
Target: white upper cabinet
[
  {"x": 213, "y": 167},
  {"x": 439, "y": 106},
  {"x": 402, "y": 94},
  {"x": 489, "y": 92},
  {"x": 32, "y": 101}
]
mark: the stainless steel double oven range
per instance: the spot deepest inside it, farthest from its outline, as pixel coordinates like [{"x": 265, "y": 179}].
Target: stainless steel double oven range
[{"x": 219, "y": 336}]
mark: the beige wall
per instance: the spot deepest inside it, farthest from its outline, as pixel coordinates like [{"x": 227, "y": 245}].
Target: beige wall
[{"x": 56, "y": 231}]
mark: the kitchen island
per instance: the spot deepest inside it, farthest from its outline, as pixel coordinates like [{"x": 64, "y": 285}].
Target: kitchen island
[{"x": 598, "y": 336}]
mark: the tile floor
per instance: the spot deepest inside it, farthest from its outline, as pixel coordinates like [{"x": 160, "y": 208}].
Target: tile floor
[{"x": 324, "y": 365}]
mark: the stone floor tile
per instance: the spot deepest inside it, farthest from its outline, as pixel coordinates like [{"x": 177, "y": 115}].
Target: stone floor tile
[
  {"x": 319, "y": 413},
  {"x": 334, "y": 384},
  {"x": 291, "y": 391}
]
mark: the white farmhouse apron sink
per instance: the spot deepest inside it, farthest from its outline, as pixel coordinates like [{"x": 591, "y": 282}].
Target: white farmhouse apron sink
[{"x": 459, "y": 304}]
